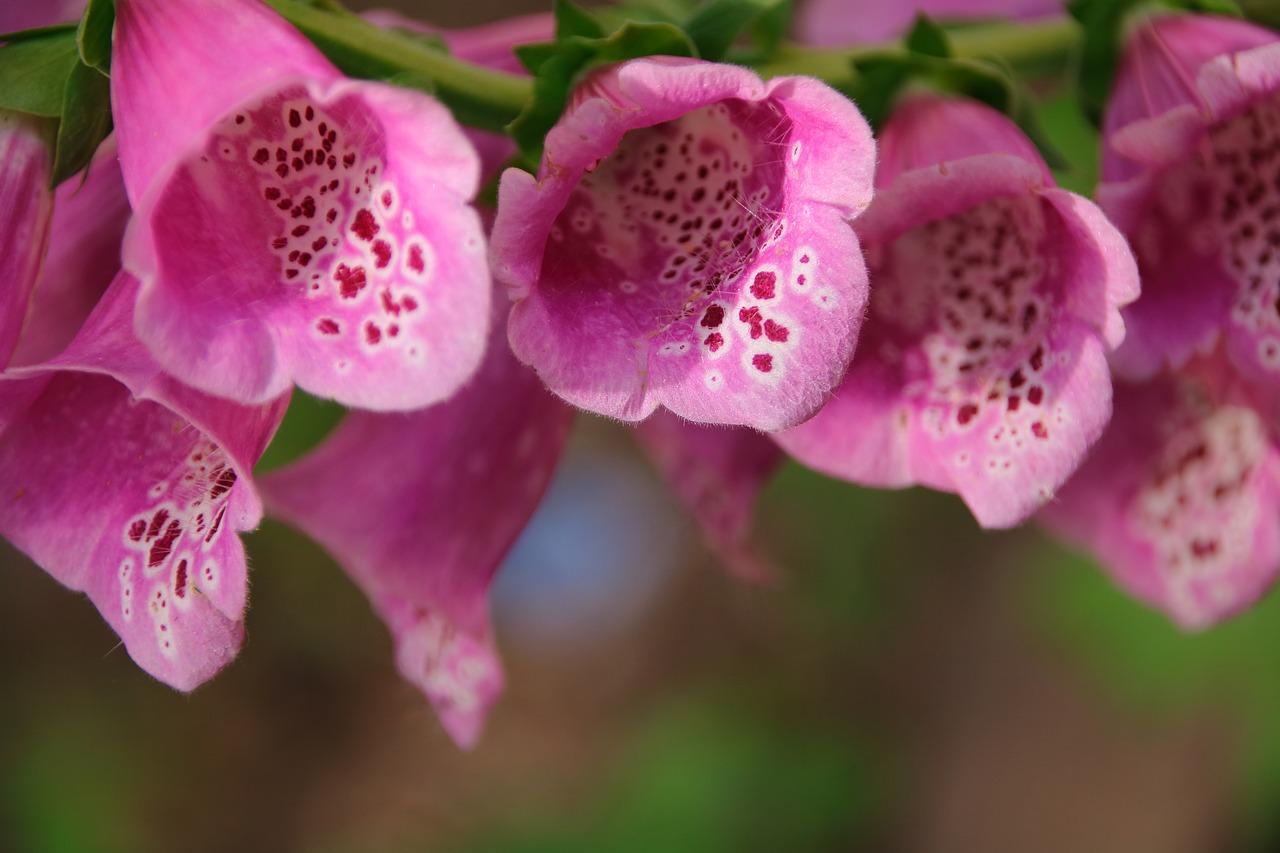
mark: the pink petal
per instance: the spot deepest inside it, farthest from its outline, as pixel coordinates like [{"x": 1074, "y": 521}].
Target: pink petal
[
  {"x": 716, "y": 473},
  {"x": 26, "y": 208},
  {"x": 132, "y": 488},
  {"x": 16, "y": 16},
  {"x": 839, "y": 22},
  {"x": 675, "y": 197},
  {"x": 1179, "y": 501},
  {"x": 421, "y": 508}
]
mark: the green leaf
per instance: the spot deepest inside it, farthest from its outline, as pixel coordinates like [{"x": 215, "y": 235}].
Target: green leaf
[
  {"x": 34, "y": 72},
  {"x": 573, "y": 20},
  {"x": 558, "y": 65},
  {"x": 1102, "y": 22},
  {"x": 1227, "y": 8},
  {"x": 714, "y": 26},
  {"x": 93, "y": 38},
  {"x": 86, "y": 121},
  {"x": 927, "y": 38}
]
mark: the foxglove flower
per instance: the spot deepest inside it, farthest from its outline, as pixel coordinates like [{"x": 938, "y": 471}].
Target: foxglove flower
[
  {"x": 26, "y": 210},
  {"x": 1190, "y": 164},
  {"x": 1180, "y": 500},
  {"x": 290, "y": 224},
  {"x": 982, "y": 366},
  {"x": 131, "y": 487},
  {"x": 685, "y": 244},
  {"x": 840, "y": 22},
  {"x": 716, "y": 473},
  {"x": 421, "y": 508}
]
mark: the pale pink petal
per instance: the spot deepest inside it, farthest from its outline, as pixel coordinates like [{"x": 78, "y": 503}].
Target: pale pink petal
[
  {"x": 674, "y": 196},
  {"x": 716, "y": 473},
  {"x": 26, "y": 209},
  {"x": 1179, "y": 501},
  {"x": 132, "y": 489},
  {"x": 420, "y": 509}
]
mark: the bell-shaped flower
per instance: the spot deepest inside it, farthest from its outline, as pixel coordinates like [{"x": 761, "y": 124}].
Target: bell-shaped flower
[
  {"x": 291, "y": 224},
  {"x": 1180, "y": 500},
  {"x": 716, "y": 473},
  {"x": 982, "y": 367},
  {"x": 1191, "y": 175},
  {"x": 841, "y": 22},
  {"x": 26, "y": 211},
  {"x": 420, "y": 510},
  {"x": 685, "y": 244},
  {"x": 131, "y": 487}
]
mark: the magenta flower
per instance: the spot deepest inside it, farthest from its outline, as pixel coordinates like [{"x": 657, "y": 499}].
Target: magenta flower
[
  {"x": 26, "y": 210},
  {"x": 421, "y": 508},
  {"x": 841, "y": 22},
  {"x": 685, "y": 244},
  {"x": 1181, "y": 498},
  {"x": 1189, "y": 169},
  {"x": 290, "y": 224},
  {"x": 716, "y": 473},
  {"x": 131, "y": 488},
  {"x": 982, "y": 365}
]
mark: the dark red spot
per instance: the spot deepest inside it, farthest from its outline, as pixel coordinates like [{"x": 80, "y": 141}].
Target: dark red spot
[
  {"x": 239, "y": 119},
  {"x": 751, "y": 316},
  {"x": 372, "y": 333},
  {"x": 157, "y": 523},
  {"x": 309, "y": 207},
  {"x": 381, "y": 253},
  {"x": 326, "y": 326},
  {"x": 180, "y": 580},
  {"x": 282, "y": 170},
  {"x": 762, "y": 362},
  {"x": 300, "y": 230},
  {"x": 310, "y": 113},
  {"x": 348, "y": 160},
  {"x": 1035, "y": 394},
  {"x": 331, "y": 215},
  {"x": 388, "y": 304},
  {"x": 800, "y": 279},
  {"x": 1039, "y": 431},
  {"x": 804, "y": 259},
  {"x": 763, "y": 286},
  {"x": 297, "y": 144},
  {"x": 291, "y": 273},
  {"x": 967, "y": 413},
  {"x": 318, "y": 243},
  {"x": 279, "y": 242},
  {"x": 714, "y": 317},
  {"x": 271, "y": 193},
  {"x": 1201, "y": 548},
  {"x": 417, "y": 262},
  {"x": 261, "y": 156},
  {"x": 1014, "y": 402},
  {"x": 408, "y": 303},
  {"x": 1037, "y": 359},
  {"x": 351, "y": 280},
  {"x": 775, "y": 332},
  {"x": 217, "y": 522},
  {"x": 386, "y": 198},
  {"x": 365, "y": 227},
  {"x": 297, "y": 164},
  {"x": 393, "y": 330},
  {"x": 714, "y": 341},
  {"x": 136, "y": 530},
  {"x": 295, "y": 118},
  {"x": 164, "y": 545}
]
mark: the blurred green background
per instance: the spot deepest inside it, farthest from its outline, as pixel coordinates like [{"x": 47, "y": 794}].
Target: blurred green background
[{"x": 912, "y": 684}]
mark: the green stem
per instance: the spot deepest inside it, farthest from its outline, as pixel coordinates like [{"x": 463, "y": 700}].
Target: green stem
[
  {"x": 1025, "y": 46},
  {"x": 478, "y": 97}
]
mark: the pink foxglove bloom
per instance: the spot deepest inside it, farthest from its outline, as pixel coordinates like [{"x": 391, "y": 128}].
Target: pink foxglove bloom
[
  {"x": 1180, "y": 500},
  {"x": 26, "y": 211},
  {"x": 685, "y": 244},
  {"x": 131, "y": 487},
  {"x": 291, "y": 224},
  {"x": 716, "y": 473},
  {"x": 421, "y": 508},
  {"x": 982, "y": 366},
  {"x": 1190, "y": 170},
  {"x": 841, "y": 22}
]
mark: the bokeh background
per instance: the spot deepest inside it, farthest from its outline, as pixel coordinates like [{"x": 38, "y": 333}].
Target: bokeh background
[{"x": 912, "y": 683}]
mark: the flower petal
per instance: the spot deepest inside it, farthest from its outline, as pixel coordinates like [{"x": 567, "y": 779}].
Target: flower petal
[{"x": 26, "y": 209}]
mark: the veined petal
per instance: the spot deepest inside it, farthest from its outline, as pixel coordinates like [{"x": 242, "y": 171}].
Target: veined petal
[
  {"x": 716, "y": 473},
  {"x": 89, "y": 217},
  {"x": 26, "y": 209},
  {"x": 320, "y": 235},
  {"x": 442, "y": 494},
  {"x": 131, "y": 488},
  {"x": 1179, "y": 501},
  {"x": 676, "y": 196},
  {"x": 178, "y": 68}
]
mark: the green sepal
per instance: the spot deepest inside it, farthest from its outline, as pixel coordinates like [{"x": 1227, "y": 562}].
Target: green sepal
[
  {"x": 573, "y": 20},
  {"x": 86, "y": 121},
  {"x": 714, "y": 26},
  {"x": 927, "y": 38},
  {"x": 34, "y": 72},
  {"x": 93, "y": 37},
  {"x": 1102, "y": 22},
  {"x": 556, "y": 66}
]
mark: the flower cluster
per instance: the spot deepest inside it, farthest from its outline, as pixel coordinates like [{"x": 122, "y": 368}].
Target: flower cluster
[{"x": 735, "y": 265}]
